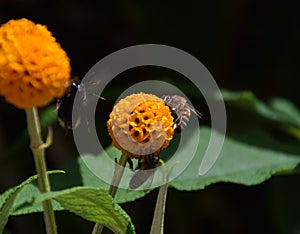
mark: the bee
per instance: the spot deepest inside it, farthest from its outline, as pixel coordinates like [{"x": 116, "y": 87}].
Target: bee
[
  {"x": 145, "y": 163},
  {"x": 180, "y": 109},
  {"x": 65, "y": 107}
]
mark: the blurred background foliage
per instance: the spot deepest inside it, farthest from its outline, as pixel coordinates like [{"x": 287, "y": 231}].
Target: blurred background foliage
[{"x": 246, "y": 45}]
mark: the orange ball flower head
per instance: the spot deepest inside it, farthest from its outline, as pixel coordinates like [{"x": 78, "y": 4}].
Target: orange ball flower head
[
  {"x": 34, "y": 69},
  {"x": 141, "y": 124}
]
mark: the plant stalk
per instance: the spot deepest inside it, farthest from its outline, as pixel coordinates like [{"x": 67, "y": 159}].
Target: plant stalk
[
  {"x": 118, "y": 173},
  {"x": 38, "y": 149},
  {"x": 157, "y": 226}
]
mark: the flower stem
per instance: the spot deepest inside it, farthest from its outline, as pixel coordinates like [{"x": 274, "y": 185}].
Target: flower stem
[
  {"x": 38, "y": 149},
  {"x": 157, "y": 226},
  {"x": 118, "y": 173},
  {"x": 119, "y": 170}
]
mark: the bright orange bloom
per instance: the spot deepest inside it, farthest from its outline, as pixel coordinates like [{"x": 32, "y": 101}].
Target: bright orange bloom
[
  {"x": 141, "y": 122},
  {"x": 34, "y": 69}
]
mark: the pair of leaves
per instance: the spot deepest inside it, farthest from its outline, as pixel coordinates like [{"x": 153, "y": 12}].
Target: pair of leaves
[{"x": 93, "y": 204}]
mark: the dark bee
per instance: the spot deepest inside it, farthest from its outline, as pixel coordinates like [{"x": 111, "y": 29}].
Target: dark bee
[
  {"x": 65, "y": 105},
  {"x": 145, "y": 163},
  {"x": 67, "y": 111},
  {"x": 181, "y": 110}
]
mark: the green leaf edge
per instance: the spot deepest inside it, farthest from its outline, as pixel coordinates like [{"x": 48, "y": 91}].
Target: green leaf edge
[
  {"x": 10, "y": 196},
  {"x": 102, "y": 195}
]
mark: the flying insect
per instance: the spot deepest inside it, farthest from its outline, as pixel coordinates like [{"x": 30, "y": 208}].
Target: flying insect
[{"x": 70, "y": 115}]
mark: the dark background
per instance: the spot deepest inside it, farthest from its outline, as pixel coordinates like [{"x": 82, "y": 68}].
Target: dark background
[{"x": 249, "y": 45}]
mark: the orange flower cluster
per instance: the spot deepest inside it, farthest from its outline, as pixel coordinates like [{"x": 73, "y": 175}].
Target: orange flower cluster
[
  {"x": 141, "y": 122},
  {"x": 34, "y": 69}
]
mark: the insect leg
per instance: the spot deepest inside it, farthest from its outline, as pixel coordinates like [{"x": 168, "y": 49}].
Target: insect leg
[{"x": 130, "y": 163}]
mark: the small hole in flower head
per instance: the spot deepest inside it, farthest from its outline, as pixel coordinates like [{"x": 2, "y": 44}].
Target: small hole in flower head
[
  {"x": 30, "y": 85},
  {"x": 137, "y": 120},
  {"x": 38, "y": 80},
  {"x": 146, "y": 140}
]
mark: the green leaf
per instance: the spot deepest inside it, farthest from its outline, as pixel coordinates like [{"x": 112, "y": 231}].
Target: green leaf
[
  {"x": 7, "y": 199},
  {"x": 290, "y": 112},
  {"x": 90, "y": 179},
  {"x": 95, "y": 205},
  {"x": 286, "y": 108},
  {"x": 238, "y": 162},
  {"x": 78, "y": 174},
  {"x": 278, "y": 110},
  {"x": 25, "y": 201}
]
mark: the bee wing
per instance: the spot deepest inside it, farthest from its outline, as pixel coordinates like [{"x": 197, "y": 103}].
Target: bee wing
[
  {"x": 140, "y": 177},
  {"x": 91, "y": 86},
  {"x": 90, "y": 89},
  {"x": 195, "y": 111},
  {"x": 147, "y": 169}
]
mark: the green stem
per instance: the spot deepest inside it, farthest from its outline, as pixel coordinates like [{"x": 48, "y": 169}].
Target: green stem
[
  {"x": 157, "y": 226},
  {"x": 118, "y": 173},
  {"x": 38, "y": 149},
  {"x": 119, "y": 170}
]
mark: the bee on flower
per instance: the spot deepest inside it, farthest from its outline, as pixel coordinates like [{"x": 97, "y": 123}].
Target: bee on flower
[{"x": 142, "y": 125}]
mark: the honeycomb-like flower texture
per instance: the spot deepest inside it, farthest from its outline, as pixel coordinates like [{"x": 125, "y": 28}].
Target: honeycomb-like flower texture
[
  {"x": 34, "y": 69},
  {"x": 141, "y": 124}
]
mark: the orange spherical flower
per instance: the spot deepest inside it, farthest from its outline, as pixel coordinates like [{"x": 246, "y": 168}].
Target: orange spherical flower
[
  {"x": 141, "y": 124},
  {"x": 34, "y": 69}
]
